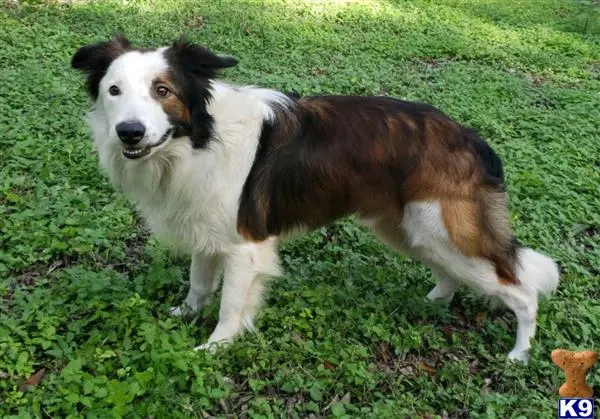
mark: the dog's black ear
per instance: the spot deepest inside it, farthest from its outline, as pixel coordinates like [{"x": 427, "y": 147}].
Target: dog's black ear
[
  {"x": 197, "y": 59},
  {"x": 192, "y": 68},
  {"x": 93, "y": 60}
]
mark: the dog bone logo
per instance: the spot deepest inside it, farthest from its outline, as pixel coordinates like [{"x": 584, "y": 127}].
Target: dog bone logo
[{"x": 575, "y": 366}]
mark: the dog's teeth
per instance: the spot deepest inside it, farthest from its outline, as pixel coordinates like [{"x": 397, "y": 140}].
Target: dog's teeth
[{"x": 135, "y": 152}]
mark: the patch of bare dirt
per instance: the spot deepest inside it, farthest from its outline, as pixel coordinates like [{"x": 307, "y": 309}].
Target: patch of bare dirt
[{"x": 197, "y": 22}]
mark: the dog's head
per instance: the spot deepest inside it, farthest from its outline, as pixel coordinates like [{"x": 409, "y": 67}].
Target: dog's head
[{"x": 145, "y": 97}]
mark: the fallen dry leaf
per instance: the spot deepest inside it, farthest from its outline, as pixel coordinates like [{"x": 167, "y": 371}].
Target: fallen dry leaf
[
  {"x": 427, "y": 368},
  {"x": 346, "y": 398},
  {"x": 407, "y": 370},
  {"x": 198, "y": 22},
  {"x": 486, "y": 385},
  {"x": 479, "y": 319},
  {"x": 336, "y": 399},
  {"x": 385, "y": 353},
  {"x": 34, "y": 380}
]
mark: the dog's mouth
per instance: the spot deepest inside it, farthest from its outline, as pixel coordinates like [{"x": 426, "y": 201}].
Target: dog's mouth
[{"x": 138, "y": 152}]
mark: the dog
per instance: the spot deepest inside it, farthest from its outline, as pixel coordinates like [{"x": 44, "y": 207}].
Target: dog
[{"x": 224, "y": 172}]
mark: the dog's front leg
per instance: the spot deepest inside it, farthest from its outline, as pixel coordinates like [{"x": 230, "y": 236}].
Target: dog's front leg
[
  {"x": 204, "y": 281},
  {"x": 244, "y": 269}
]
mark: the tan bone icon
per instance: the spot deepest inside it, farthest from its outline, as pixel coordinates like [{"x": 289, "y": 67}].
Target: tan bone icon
[{"x": 575, "y": 365}]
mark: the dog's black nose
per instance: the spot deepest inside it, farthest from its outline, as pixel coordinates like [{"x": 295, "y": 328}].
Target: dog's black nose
[{"x": 131, "y": 132}]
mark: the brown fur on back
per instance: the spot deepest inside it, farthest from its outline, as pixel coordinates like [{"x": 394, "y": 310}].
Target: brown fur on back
[{"x": 329, "y": 157}]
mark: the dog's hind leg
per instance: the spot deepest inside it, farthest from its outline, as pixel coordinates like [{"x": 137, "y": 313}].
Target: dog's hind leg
[
  {"x": 442, "y": 234},
  {"x": 522, "y": 299},
  {"x": 537, "y": 274},
  {"x": 243, "y": 266},
  {"x": 444, "y": 289},
  {"x": 389, "y": 231},
  {"x": 253, "y": 301},
  {"x": 204, "y": 281}
]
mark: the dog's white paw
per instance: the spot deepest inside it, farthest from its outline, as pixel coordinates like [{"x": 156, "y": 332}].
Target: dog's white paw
[
  {"x": 443, "y": 293},
  {"x": 182, "y": 310},
  {"x": 434, "y": 297},
  {"x": 519, "y": 356},
  {"x": 176, "y": 311},
  {"x": 211, "y": 347}
]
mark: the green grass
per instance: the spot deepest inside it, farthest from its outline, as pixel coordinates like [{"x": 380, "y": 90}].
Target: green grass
[{"x": 85, "y": 291}]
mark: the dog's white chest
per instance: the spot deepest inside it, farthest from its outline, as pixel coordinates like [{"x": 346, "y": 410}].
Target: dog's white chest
[
  {"x": 188, "y": 211},
  {"x": 192, "y": 229}
]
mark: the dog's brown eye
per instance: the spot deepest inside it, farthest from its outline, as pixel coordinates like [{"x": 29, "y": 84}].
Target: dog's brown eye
[
  {"x": 114, "y": 91},
  {"x": 162, "y": 91}
]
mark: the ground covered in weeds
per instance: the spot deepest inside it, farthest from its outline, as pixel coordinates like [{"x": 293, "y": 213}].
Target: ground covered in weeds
[{"x": 84, "y": 291}]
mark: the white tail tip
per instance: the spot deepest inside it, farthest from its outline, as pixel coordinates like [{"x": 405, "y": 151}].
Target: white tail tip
[{"x": 537, "y": 271}]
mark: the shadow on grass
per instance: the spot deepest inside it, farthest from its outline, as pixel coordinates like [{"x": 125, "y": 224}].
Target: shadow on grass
[
  {"x": 568, "y": 17},
  {"x": 288, "y": 38}
]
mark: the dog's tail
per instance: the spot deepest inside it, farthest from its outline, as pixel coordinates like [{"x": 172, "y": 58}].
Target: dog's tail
[{"x": 537, "y": 271}]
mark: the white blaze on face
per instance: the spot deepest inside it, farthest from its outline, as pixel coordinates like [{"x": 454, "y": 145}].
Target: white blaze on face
[{"x": 133, "y": 74}]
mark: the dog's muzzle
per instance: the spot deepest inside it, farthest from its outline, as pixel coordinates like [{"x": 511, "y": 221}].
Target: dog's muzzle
[{"x": 138, "y": 152}]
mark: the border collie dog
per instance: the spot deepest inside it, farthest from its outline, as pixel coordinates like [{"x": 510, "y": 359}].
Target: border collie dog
[{"x": 224, "y": 172}]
